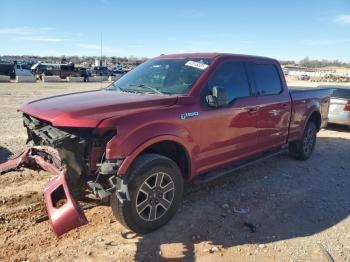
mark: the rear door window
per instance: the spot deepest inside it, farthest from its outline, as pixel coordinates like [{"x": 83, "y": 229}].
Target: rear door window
[{"x": 267, "y": 80}]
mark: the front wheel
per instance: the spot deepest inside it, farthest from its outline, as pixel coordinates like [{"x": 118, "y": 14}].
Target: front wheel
[
  {"x": 303, "y": 149},
  {"x": 155, "y": 189}
]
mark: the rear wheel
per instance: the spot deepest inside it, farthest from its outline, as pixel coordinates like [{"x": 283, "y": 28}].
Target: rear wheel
[
  {"x": 155, "y": 189},
  {"x": 304, "y": 148}
]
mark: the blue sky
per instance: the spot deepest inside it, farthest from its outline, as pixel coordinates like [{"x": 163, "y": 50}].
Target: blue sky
[{"x": 281, "y": 29}]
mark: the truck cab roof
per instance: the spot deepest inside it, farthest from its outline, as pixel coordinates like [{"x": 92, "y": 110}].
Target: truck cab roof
[{"x": 215, "y": 56}]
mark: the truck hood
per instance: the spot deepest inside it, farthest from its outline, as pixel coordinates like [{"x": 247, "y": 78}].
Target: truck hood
[{"x": 89, "y": 108}]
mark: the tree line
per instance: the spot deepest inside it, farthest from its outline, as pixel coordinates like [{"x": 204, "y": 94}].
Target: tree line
[
  {"x": 74, "y": 59},
  {"x": 307, "y": 62}
]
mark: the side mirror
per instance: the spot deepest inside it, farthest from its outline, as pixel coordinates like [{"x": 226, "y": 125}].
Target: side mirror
[{"x": 218, "y": 98}]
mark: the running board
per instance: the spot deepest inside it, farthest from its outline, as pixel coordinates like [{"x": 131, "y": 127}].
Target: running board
[{"x": 213, "y": 175}]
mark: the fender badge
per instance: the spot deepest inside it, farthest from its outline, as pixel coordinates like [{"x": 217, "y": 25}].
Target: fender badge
[{"x": 188, "y": 115}]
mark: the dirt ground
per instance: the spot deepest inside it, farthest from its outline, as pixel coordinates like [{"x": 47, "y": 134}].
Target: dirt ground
[{"x": 277, "y": 210}]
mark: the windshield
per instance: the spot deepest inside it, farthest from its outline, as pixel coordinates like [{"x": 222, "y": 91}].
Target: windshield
[{"x": 163, "y": 76}]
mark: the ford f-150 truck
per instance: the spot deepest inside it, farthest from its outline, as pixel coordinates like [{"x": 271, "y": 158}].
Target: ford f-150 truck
[{"x": 171, "y": 119}]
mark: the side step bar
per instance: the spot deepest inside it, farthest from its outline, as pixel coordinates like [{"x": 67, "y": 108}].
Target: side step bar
[{"x": 213, "y": 175}]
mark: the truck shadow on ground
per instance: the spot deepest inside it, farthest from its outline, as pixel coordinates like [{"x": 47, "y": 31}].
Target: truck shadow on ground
[
  {"x": 338, "y": 128},
  {"x": 278, "y": 199},
  {"x": 4, "y": 154}
]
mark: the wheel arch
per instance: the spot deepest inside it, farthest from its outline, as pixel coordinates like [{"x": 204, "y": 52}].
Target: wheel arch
[
  {"x": 167, "y": 145},
  {"x": 315, "y": 117}
]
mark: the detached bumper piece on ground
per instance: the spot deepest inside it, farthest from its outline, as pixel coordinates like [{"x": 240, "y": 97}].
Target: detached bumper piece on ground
[{"x": 63, "y": 210}]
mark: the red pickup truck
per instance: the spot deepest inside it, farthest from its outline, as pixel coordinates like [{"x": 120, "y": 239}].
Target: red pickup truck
[{"x": 170, "y": 119}]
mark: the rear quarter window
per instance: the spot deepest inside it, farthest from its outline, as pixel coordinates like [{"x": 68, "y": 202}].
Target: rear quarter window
[{"x": 267, "y": 80}]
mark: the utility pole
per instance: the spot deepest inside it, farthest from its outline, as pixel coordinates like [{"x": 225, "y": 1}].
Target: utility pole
[
  {"x": 101, "y": 52},
  {"x": 101, "y": 58}
]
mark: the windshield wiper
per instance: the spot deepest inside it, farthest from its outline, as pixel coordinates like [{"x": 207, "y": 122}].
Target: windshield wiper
[
  {"x": 108, "y": 88},
  {"x": 147, "y": 87}
]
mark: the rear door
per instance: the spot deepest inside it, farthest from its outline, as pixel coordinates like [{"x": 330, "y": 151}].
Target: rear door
[{"x": 273, "y": 104}]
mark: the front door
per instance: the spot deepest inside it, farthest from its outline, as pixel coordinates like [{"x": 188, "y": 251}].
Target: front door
[{"x": 228, "y": 133}]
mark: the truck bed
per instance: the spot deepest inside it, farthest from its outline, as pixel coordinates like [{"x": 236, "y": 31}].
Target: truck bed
[
  {"x": 304, "y": 98},
  {"x": 294, "y": 89}
]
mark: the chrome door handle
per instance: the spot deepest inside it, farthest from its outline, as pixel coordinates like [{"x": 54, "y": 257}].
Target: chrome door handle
[{"x": 253, "y": 110}]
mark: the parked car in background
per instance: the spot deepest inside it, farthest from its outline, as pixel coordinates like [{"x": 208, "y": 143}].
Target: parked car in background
[
  {"x": 39, "y": 68},
  {"x": 339, "y": 109},
  {"x": 61, "y": 70},
  {"x": 118, "y": 67},
  {"x": 100, "y": 71},
  {"x": 22, "y": 70},
  {"x": 14, "y": 69},
  {"x": 83, "y": 72},
  {"x": 304, "y": 77},
  {"x": 118, "y": 73},
  {"x": 6, "y": 69}
]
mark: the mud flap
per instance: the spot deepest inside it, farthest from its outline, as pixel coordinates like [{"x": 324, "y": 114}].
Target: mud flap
[{"x": 64, "y": 212}]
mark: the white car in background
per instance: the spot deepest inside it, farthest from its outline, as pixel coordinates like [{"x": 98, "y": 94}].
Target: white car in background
[
  {"x": 22, "y": 70},
  {"x": 304, "y": 77},
  {"x": 339, "y": 109}
]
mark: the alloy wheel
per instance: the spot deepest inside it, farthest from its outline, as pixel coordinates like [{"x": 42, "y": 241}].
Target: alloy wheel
[
  {"x": 309, "y": 140},
  {"x": 155, "y": 196}
]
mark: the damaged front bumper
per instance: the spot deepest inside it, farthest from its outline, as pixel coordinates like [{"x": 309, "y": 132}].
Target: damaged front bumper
[
  {"x": 116, "y": 185},
  {"x": 63, "y": 216},
  {"x": 63, "y": 210}
]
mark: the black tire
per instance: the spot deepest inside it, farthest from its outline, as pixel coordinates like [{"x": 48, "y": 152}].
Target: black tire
[
  {"x": 145, "y": 169},
  {"x": 303, "y": 149}
]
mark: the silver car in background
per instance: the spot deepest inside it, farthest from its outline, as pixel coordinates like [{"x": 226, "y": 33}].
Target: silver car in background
[{"x": 339, "y": 109}]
